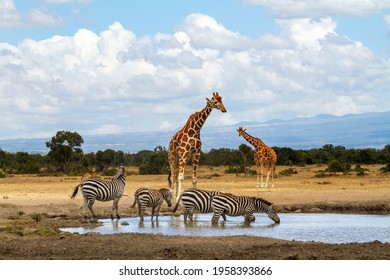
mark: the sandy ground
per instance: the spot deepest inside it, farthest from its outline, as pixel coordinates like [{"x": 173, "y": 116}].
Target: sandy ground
[{"x": 32, "y": 209}]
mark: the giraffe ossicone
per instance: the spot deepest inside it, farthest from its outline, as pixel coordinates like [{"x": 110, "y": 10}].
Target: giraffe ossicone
[{"x": 186, "y": 143}]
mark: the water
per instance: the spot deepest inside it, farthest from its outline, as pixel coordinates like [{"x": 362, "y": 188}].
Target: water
[{"x": 328, "y": 228}]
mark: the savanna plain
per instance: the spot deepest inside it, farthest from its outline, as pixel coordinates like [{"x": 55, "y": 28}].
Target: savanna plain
[{"x": 33, "y": 208}]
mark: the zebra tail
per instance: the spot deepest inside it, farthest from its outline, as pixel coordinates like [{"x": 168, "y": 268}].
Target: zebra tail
[
  {"x": 135, "y": 201},
  {"x": 76, "y": 189}
]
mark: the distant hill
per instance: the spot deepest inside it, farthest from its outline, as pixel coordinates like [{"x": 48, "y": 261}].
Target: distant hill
[{"x": 351, "y": 131}]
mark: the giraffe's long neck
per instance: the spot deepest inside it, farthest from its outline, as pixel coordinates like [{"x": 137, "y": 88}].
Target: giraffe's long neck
[
  {"x": 256, "y": 142},
  {"x": 199, "y": 118}
]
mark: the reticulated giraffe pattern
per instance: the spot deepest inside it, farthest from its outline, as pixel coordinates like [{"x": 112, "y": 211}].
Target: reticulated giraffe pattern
[
  {"x": 264, "y": 157},
  {"x": 186, "y": 143}
]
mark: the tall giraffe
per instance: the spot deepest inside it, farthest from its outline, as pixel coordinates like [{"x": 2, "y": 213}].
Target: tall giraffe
[
  {"x": 186, "y": 142},
  {"x": 265, "y": 157}
]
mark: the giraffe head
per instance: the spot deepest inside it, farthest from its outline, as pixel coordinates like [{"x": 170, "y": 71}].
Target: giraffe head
[
  {"x": 241, "y": 131},
  {"x": 216, "y": 102}
]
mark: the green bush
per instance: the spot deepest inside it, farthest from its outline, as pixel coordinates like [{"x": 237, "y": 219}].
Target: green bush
[
  {"x": 338, "y": 166},
  {"x": 385, "y": 169},
  {"x": 288, "y": 172}
]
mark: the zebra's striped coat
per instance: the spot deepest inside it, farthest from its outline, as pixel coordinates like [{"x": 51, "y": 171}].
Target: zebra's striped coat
[
  {"x": 96, "y": 189},
  {"x": 233, "y": 205},
  {"x": 196, "y": 200},
  {"x": 144, "y": 197}
]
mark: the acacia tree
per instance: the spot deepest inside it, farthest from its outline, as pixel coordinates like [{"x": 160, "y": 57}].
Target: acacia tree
[{"x": 65, "y": 147}]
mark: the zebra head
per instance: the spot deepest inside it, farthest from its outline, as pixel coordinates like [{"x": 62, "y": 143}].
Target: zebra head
[
  {"x": 272, "y": 214},
  {"x": 262, "y": 205},
  {"x": 167, "y": 195},
  {"x": 121, "y": 172}
]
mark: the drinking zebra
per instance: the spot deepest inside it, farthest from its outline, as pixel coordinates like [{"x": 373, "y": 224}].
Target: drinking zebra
[
  {"x": 151, "y": 198},
  {"x": 198, "y": 200},
  {"x": 233, "y": 205},
  {"x": 96, "y": 189}
]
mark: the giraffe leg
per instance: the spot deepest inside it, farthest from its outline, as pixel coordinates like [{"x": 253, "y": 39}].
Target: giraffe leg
[
  {"x": 195, "y": 161},
  {"x": 261, "y": 174},
  {"x": 180, "y": 177}
]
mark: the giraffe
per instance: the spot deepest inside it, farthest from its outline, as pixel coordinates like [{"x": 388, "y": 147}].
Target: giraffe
[
  {"x": 186, "y": 142},
  {"x": 265, "y": 157}
]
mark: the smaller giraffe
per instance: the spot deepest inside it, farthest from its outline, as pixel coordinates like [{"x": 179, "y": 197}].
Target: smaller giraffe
[{"x": 265, "y": 157}]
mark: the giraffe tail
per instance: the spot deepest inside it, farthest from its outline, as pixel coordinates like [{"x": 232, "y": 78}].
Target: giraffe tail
[
  {"x": 177, "y": 203},
  {"x": 169, "y": 179}
]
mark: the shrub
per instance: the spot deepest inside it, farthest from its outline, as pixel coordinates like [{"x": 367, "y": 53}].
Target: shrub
[
  {"x": 385, "y": 169},
  {"x": 288, "y": 172},
  {"x": 338, "y": 166},
  {"x": 235, "y": 169},
  {"x": 360, "y": 171}
]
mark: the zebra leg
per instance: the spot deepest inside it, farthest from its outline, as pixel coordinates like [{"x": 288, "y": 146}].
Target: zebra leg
[
  {"x": 157, "y": 211},
  {"x": 224, "y": 216},
  {"x": 153, "y": 207},
  {"x": 90, "y": 204},
  {"x": 215, "y": 217},
  {"x": 186, "y": 211},
  {"x": 191, "y": 214},
  {"x": 115, "y": 208},
  {"x": 141, "y": 212}
]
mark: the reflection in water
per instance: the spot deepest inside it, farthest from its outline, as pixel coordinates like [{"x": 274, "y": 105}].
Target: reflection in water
[{"x": 329, "y": 228}]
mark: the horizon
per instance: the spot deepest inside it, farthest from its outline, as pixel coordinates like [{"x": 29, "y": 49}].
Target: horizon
[{"x": 368, "y": 130}]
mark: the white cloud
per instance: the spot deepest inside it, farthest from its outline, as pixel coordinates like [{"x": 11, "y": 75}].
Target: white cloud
[
  {"x": 323, "y": 8},
  {"x": 10, "y": 17},
  {"x": 387, "y": 20},
  {"x": 105, "y": 129},
  {"x": 115, "y": 81}
]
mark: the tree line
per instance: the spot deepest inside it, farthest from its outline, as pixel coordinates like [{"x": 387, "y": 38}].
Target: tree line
[{"x": 67, "y": 157}]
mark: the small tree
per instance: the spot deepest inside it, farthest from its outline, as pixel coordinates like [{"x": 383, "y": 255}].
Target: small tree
[
  {"x": 245, "y": 151},
  {"x": 155, "y": 163},
  {"x": 65, "y": 147}
]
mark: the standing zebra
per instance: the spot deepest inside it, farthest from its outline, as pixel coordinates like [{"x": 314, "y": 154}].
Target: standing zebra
[
  {"x": 196, "y": 199},
  {"x": 233, "y": 205},
  {"x": 95, "y": 189},
  {"x": 151, "y": 198}
]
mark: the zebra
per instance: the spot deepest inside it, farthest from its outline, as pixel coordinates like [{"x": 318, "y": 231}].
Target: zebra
[
  {"x": 96, "y": 189},
  {"x": 199, "y": 200},
  {"x": 233, "y": 205},
  {"x": 144, "y": 197}
]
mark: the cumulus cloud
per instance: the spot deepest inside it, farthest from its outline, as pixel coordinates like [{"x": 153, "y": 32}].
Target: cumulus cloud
[
  {"x": 323, "y": 8},
  {"x": 10, "y": 17},
  {"x": 114, "y": 81}
]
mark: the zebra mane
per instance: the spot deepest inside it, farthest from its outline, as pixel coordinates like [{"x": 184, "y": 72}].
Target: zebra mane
[{"x": 262, "y": 200}]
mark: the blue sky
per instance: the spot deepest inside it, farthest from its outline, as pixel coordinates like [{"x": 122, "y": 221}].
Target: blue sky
[{"x": 97, "y": 66}]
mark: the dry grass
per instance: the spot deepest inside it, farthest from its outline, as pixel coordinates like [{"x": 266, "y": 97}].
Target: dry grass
[{"x": 300, "y": 188}]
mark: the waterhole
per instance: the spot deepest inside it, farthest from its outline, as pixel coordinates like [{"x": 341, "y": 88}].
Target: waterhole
[{"x": 328, "y": 228}]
